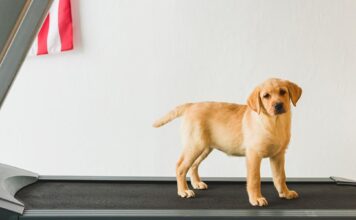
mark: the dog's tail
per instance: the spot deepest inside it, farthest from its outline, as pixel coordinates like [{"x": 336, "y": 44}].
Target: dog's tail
[{"x": 175, "y": 113}]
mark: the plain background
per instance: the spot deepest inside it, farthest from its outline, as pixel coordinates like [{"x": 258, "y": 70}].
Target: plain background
[{"x": 89, "y": 111}]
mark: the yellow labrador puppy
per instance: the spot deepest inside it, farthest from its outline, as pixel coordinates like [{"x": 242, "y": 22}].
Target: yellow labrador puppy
[{"x": 257, "y": 130}]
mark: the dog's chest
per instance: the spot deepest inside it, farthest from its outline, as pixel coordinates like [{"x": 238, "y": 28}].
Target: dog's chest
[
  {"x": 273, "y": 140},
  {"x": 270, "y": 149}
]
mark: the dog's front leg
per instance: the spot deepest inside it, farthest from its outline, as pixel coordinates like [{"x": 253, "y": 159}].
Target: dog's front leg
[
  {"x": 279, "y": 177},
  {"x": 254, "y": 179}
]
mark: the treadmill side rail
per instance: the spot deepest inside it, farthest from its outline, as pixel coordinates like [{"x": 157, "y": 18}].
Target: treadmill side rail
[{"x": 343, "y": 181}]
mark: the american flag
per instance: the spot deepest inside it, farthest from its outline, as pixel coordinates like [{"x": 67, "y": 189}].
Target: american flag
[{"x": 56, "y": 33}]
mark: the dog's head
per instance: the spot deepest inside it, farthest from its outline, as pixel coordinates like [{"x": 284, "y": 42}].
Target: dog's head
[{"x": 273, "y": 97}]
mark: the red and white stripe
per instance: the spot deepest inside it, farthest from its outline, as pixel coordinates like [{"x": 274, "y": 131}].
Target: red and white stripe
[{"x": 56, "y": 33}]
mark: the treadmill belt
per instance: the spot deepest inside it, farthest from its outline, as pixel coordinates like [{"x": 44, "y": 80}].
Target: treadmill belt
[{"x": 52, "y": 194}]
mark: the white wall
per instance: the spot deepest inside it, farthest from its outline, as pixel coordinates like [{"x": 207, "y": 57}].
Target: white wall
[{"x": 89, "y": 112}]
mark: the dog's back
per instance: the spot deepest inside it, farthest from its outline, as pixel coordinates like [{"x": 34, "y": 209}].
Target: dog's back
[
  {"x": 216, "y": 124},
  {"x": 203, "y": 111}
]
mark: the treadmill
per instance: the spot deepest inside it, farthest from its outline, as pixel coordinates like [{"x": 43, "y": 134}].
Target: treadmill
[{"x": 31, "y": 196}]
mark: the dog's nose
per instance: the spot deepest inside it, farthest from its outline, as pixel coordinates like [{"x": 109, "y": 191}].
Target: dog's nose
[{"x": 278, "y": 107}]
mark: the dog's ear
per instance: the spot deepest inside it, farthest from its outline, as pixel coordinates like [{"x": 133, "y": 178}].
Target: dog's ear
[
  {"x": 254, "y": 100},
  {"x": 294, "y": 92}
]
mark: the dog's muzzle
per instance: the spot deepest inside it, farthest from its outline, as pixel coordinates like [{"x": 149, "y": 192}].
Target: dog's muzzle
[{"x": 279, "y": 108}]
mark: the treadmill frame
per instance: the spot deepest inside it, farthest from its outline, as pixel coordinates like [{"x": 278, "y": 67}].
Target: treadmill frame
[{"x": 13, "y": 179}]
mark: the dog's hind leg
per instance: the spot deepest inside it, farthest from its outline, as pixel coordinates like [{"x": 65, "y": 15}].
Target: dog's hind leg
[
  {"x": 194, "y": 175},
  {"x": 185, "y": 161}
]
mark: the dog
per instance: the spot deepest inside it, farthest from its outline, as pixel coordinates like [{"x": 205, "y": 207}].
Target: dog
[{"x": 260, "y": 129}]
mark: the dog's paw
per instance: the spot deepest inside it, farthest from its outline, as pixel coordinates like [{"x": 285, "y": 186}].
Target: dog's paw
[
  {"x": 199, "y": 185},
  {"x": 258, "y": 201},
  {"x": 186, "y": 193},
  {"x": 291, "y": 194}
]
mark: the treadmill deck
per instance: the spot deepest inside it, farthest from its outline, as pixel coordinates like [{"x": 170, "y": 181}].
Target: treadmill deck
[{"x": 76, "y": 194}]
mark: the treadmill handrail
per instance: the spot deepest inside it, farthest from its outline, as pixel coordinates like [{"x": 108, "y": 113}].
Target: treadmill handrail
[{"x": 19, "y": 41}]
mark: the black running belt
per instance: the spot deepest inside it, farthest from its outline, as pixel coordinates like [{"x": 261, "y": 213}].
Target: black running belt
[{"x": 49, "y": 194}]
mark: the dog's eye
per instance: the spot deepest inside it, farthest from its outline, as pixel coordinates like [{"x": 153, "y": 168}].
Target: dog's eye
[
  {"x": 266, "y": 96},
  {"x": 282, "y": 92}
]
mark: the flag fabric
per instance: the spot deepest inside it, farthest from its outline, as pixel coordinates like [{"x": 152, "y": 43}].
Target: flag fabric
[{"x": 56, "y": 33}]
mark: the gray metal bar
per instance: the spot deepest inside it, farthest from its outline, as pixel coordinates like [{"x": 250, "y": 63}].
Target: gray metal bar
[
  {"x": 154, "y": 178},
  {"x": 10, "y": 11},
  {"x": 19, "y": 41}
]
